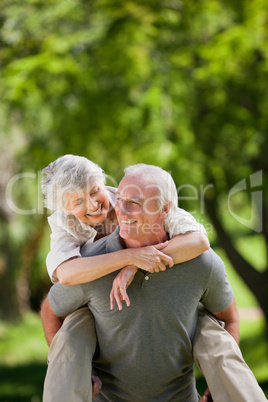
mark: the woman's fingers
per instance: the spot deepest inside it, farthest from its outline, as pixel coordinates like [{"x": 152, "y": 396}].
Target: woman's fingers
[
  {"x": 118, "y": 297},
  {"x": 112, "y": 299},
  {"x": 124, "y": 294},
  {"x": 167, "y": 260},
  {"x": 161, "y": 245}
]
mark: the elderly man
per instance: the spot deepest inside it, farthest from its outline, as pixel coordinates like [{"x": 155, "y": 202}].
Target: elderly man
[{"x": 145, "y": 351}]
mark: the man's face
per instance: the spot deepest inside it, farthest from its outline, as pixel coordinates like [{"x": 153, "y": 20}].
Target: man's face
[
  {"x": 90, "y": 206},
  {"x": 138, "y": 211}
]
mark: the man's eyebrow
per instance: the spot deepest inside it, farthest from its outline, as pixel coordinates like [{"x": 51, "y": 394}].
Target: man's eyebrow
[
  {"x": 134, "y": 197},
  {"x": 137, "y": 197}
]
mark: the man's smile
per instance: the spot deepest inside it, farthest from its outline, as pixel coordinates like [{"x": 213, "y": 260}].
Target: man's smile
[{"x": 129, "y": 222}]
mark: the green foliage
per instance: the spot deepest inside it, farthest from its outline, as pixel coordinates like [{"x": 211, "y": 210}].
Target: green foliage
[
  {"x": 154, "y": 79},
  {"x": 177, "y": 84}
]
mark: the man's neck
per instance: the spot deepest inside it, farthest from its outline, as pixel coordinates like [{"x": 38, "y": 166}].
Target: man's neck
[{"x": 131, "y": 243}]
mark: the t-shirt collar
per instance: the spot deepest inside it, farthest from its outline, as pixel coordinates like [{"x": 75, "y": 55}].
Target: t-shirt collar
[{"x": 113, "y": 242}]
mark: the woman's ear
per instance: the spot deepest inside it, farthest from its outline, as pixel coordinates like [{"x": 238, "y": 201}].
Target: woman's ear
[{"x": 166, "y": 208}]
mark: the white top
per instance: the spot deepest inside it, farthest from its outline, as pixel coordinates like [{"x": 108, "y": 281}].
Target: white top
[{"x": 69, "y": 234}]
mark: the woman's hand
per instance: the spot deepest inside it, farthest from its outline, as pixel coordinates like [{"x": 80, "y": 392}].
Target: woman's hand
[
  {"x": 120, "y": 284},
  {"x": 150, "y": 258},
  {"x": 206, "y": 397}
]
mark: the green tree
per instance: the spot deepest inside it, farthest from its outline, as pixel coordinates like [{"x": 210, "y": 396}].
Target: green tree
[{"x": 177, "y": 84}]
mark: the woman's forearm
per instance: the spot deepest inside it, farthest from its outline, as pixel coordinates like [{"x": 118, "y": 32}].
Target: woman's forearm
[
  {"x": 87, "y": 269},
  {"x": 185, "y": 247},
  {"x": 181, "y": 248}
]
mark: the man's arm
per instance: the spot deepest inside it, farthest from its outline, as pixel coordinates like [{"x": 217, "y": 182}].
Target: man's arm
[
  {"x": 231, "y": 320},
  {"x": 51, "y": 322},
  {"x": 60, "y": 301}
]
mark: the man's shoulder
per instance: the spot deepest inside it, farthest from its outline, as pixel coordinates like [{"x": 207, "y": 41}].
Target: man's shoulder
[
  {"x": 105, "y": 245},
  {"x": 98, "y": 247},
  {"x": 208, "y": 259}
]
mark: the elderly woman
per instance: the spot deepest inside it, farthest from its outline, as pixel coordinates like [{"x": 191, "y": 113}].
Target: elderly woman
[{"x": 75, "y": 188}]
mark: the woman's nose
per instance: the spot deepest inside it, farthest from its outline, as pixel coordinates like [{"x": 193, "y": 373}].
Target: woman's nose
[{"x": 92, "y": 204}]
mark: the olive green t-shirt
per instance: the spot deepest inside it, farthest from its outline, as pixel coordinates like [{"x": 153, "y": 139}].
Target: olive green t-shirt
[{"x": 145, "y": 350}]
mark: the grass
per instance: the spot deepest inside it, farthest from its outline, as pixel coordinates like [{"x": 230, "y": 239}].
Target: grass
[
  {"x": 23, "y": 342},
  {"x": 23, "y": 355}
]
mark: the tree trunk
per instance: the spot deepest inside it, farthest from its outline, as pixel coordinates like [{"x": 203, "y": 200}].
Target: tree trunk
[
  {"x": 256, "y": 281},
  {"x": 8, "y": 301},
  {"x": 28, "y": 255}
]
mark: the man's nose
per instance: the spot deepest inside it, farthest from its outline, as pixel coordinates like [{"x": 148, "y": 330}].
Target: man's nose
[{"x": 124, "y": 207}]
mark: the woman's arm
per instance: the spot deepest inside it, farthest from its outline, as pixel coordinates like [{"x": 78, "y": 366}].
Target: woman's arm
[
  {"x": 81, "y": 270},
  {"x": 186, "y": 246}
]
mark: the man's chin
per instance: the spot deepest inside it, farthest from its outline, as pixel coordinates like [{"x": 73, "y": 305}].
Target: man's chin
[{"x": 127, "y": 234}]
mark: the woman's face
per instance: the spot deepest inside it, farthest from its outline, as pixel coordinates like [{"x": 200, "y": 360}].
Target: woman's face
[{"x": 90, "y": 206}]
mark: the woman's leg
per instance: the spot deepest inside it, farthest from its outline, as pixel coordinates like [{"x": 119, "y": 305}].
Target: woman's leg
[
  {"x": 219, "y": 358},
  {"x": 68, "y": 377}
]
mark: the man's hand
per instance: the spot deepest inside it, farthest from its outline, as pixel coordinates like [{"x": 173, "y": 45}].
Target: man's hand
[
  {"x": 96, "y": 385},
  {"x": 206, "y": 397},
  {"x": 120, "y": 284}
]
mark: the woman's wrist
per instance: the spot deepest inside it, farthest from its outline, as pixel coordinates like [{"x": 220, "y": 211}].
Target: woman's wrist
[
  {"x": 132, "y": 268},
  {"x": 130, "y": 257}
]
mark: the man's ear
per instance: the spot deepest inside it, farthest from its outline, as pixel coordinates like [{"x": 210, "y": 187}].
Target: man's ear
[{"x": 165, "y": 209}]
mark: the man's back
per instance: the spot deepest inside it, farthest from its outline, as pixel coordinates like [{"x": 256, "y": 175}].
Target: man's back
[{"x": 145, "y": 350}]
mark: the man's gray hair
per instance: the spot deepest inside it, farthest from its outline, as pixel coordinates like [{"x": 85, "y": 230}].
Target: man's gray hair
[
  {"x": 68, "y": 174},
  {"x": 161, "y": 178}
]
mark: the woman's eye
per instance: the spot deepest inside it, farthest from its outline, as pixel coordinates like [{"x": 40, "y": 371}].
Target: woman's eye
[
  {"x": 94, "y": 191},
  {"x": 80, "y": 202}
]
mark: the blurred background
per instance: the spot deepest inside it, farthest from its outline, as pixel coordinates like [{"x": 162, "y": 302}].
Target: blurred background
[{"x": 179, "y": 84}]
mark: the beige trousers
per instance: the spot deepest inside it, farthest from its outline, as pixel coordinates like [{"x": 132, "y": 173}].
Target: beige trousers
[
  {"x": 68, "y": 377},
  {"x": 219, "y": 358}
]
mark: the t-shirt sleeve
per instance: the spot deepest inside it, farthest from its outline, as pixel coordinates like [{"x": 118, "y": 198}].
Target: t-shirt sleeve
[
  {"x": 64, "y": 299},
  {"x": 219, "y": 293},
  {"x": 63, "y": 246},
  {"x": 181, "y": 222}
]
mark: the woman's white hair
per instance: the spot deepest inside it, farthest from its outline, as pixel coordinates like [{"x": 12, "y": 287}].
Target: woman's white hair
[
  {"x": 68, "y": 174},
  {"x": 161, "y": 178}
]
